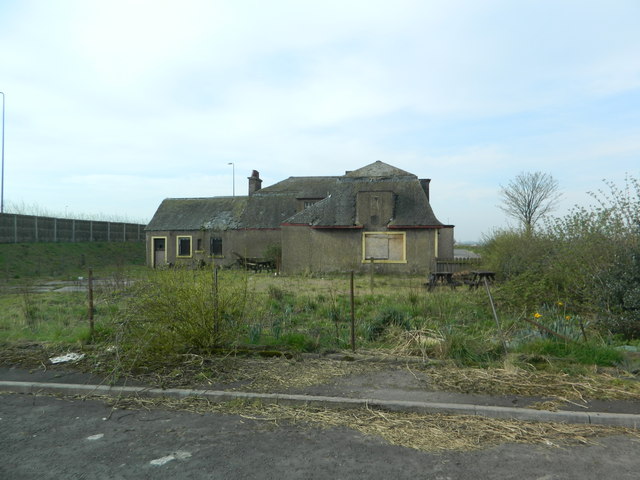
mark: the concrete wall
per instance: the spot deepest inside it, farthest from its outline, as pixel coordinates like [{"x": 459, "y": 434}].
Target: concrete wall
[
  {"x": 15, "y": 228},
  {"x": 317, "y": 250},
  {"x": 445, "y": 242},
  {"x": 307, "y": 250},
  {"x": 338, "y": 250}
]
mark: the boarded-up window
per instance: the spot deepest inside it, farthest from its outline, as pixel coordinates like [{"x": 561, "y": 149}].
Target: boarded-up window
[
  {"x": 184, "y": 246},
  {"x": 384, "y": 247},
  {"x": 216, "y": 246}
]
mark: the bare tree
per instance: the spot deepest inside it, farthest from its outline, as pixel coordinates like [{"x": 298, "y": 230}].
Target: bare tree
[{"x": 529, "y": 197}]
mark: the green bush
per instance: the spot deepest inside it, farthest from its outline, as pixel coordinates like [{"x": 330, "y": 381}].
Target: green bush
[
  {"x": 620, "y": 295},
  {"x": 180, "y": 311},
  {"x": 511, "y": 253},
  {"x": 588, "y": 258}
]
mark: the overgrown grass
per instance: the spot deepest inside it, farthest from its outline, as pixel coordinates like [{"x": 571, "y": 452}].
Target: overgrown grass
[
  {"x": 25, "y": 261},
  {"x": 54, "y": 316},
  {"x": 585, "y": 353},
  {"x": 169, "y": 314}
]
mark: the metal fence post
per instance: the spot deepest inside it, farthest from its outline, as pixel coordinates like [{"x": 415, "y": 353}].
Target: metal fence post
[{"x": 353, "y": 315}]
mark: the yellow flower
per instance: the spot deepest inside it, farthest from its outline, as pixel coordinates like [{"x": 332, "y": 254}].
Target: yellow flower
[
  {"x": 568, "y": 317},
  {"x": 537, "y": 315},
  {"x": 560, "y": 304}
]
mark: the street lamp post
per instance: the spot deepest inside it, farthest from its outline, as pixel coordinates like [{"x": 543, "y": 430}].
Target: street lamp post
[
  {"x": 233, "y": 167},
  {"x": 2, "y": 181}
]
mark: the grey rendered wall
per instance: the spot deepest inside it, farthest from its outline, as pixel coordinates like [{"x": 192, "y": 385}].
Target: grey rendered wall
[
  {"x": 248, "y": 243},
  {"x": 445, "y": 242},
  {"x": 339, "y": 250}
]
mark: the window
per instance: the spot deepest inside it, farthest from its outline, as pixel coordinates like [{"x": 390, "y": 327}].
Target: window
[
  {"x": 215, "y": 247},
  {"x": 184, "y": 246},
  {"x": 384, "y": 247},
  {"x": 304, "y": 203}
]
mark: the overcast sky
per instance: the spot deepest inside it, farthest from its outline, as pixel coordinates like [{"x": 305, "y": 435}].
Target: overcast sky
[{"x": 112, "y": 106}]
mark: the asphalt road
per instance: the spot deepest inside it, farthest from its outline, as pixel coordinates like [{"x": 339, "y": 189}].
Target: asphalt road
[{"x": 44, "y": 437}]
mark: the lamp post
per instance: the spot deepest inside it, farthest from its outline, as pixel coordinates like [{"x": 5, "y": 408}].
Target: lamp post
[
  {"x": 2, "y": 181},
  {"x": 233, "y": 167}
]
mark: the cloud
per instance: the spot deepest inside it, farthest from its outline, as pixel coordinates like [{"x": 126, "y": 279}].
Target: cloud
[{"x": 162, "y": 95}]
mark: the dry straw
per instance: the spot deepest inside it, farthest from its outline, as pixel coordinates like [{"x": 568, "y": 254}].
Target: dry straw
[{"x": 429, "y": 433}]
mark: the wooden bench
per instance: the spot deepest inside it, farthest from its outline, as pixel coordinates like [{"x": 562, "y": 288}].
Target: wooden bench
[{"x": 255, "y": 264}]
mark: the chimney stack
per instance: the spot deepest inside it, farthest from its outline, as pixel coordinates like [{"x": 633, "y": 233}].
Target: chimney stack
[
  {"x": 255, "y": 183},
  {"x": 424, "y": 183}
]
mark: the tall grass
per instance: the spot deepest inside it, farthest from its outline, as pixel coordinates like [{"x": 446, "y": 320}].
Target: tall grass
[
  {"x": 166, "y": 315},
  {"x": 21, "y": 262},
  {"x": 49, "y": 317}
]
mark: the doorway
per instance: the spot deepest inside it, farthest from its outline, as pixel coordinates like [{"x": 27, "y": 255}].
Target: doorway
[{"x": 159, "y": 251}]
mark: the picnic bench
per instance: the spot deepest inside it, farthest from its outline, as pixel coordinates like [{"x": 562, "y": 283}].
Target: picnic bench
[
  {"x": 441, "y": 278},
  {"x": 254, "y": 263},
  {"x": 479, "y": 277}
]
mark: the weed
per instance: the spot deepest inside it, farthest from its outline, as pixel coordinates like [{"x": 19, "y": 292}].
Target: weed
[
  {"x": 467, "y": 349},
  {"x": 588, "y": 353},
  {"x": 255, "y": 333},
  {"x": 276, "y": 293},
  {"x": 30, "y": 308},
  {"x": 390, "y": 316}
]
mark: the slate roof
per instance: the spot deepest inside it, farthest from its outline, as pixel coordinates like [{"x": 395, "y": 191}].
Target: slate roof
[
  {"x": 272, "y": 206},
  {"x": 301, "y": 187},
  {"x": 412, "y": 209},
  {"x": 217, "y": 213},
  {"x": 379, "y": 169}
]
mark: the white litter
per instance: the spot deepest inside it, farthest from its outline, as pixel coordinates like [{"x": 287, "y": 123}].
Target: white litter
[
  {"x": 179, "y": 455},
  {"x": 69, "y": 357},
  {"x": 98, "y": 436}
]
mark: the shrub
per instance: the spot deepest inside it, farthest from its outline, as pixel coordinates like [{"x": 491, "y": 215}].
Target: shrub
[
  {"x": 180, "y": 311},
  {"x": 588, "y": 257},
  {"x": 620, "y": 295},
  {"x": 513, "y": 252}
]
